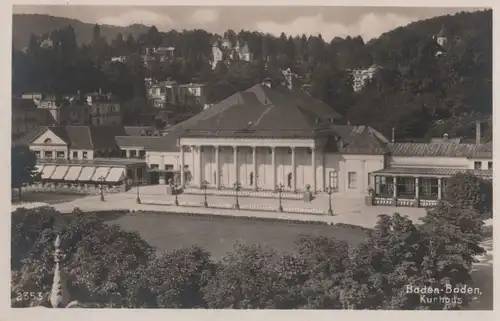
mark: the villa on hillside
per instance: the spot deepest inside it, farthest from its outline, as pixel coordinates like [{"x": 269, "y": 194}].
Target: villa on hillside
[{"x": 265, "y": 136}]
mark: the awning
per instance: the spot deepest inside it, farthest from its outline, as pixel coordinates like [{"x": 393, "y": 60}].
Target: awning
[
  {"x": 116, "y": 174},
  {"x": 39, "y": 168},
  {"x": 86, "y": 173},
  {"x": 60, "y": 172},
  {"x": 48, "y": 171},
  {"x": 430, "y": 172},
  {"x": 100, "y": 172},
  {"x": 73, "y": 173}
]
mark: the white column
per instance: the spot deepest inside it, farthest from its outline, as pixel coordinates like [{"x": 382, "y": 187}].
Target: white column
[
  {"x": 440, "y": 187},
  {"x": 192, "y": 167},
  {"x": 235, "y": 164},
  {"x": 128, "y": 153},
  {"x": 161, "y": 168},
  {"x": 417, "y": 190},
  {"x": 273, "y": 164},
  {"x": 323, "y": 173},
  {"x": 254, "y": 160},
  {"x": 313, "y": 163},
  {"x": 294, "y": 170},
  {"x": 182, "y": 166},
  {"x": 217, "y": 167},
  {"x": 200, "y": 167},
  {"x": 395, "y": 187}
]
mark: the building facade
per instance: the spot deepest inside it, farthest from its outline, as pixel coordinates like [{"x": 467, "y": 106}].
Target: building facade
[
  {"x": 265, "y": 137},
  {"x": 104, "y": 109}
]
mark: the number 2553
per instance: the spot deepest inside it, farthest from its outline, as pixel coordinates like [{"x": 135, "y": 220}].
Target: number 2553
[{"x": 28, "y": 296}]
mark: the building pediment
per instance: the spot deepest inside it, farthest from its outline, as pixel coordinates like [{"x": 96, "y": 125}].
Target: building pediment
[{"x": 48, "y": 137}]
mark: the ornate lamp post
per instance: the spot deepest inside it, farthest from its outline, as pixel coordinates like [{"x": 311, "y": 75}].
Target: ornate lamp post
[
  {"x": 280, "y": 188},
  {"x": 329, "y": 190},
  {"x": 204, "y": 186},
  {"x": 237, "y": 187},
  {"x": 101, "y": 179},
  {"x": 175, "y": 188}
]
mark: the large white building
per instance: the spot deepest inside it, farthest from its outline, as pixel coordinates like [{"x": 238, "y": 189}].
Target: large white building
[
  {"x": 266, "y": 136},
  {"x": 263, "y": 137}
]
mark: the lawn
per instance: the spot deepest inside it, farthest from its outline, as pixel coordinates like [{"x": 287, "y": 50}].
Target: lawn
[{"x": 170, "y": 231}]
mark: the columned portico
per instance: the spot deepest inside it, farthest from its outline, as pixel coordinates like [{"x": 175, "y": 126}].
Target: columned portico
[{"x": 261, "y": 166}]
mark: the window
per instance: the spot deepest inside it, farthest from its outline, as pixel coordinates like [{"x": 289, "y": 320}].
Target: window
[
  {"x": 37, "y": 154},
  {"x": 477, "y": 165},
  {"x": 75, "y": 155},
  {"x": 333, "y": 182},
  {"x": 490, "y": 165},
  {"x": 142, "y": 153},
  {"x": 97, "y": 121},
  {"x": 352, "y": 180},
  {"x": 84, "y": 155},
  {"x": 406, "y": 187},
  {"x": 428, "y": 188},
  {"x": 133, "y": 153},
  {"x": 47, "y": 141},
  {"x": 48, "y": 154},
  {"x": 169, "y": 168},
  {"x": 384, "y": 186},
  {"x": 60, "y": 155}
]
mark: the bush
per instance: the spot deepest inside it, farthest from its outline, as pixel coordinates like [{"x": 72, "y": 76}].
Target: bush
[{"x": 467, "y": 190}]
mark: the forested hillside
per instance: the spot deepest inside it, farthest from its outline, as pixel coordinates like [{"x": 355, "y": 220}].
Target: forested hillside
[
  {"x": 23, "y": 25},
  {"x": 416, "y": 91}
]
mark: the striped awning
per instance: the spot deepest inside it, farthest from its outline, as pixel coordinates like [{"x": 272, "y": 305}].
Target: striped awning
[
  {"x": 39, "y": 168},
  {"x": 116, "y": 174},
  {"x": 73, "y": 173},
  {"x": 60, "y": 172},
  {"x": 430, "y": 172},
  {"x": 86, "y": 173},
  {"x": 99, "y": 173},
  {"x": 48, "y": 171}
]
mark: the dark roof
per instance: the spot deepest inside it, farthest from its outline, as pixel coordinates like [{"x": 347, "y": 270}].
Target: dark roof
[
  {"x": 433, "y": 172},
  {"x": 483, "y": 151},
  {"x": 139, "y": 130},
  {"x": 23, "y": 104},
  {"x": 84, "y": 137},
  {"x": 431, "y": 150},
  {"x": 95, "y": 161},
  {"x": 358, "y": 139},
  {"x": 262, "y": 112}
]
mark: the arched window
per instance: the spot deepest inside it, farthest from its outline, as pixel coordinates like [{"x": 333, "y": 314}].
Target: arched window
[
  {"x": 289, "y": 180},
  {"x": 47, "y": 141},
  {"x": 251, "y": 178}
]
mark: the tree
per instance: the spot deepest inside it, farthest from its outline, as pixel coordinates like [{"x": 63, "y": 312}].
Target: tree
[
  {"x": 98, "y": 259},
  {"x": 23, "y": 167},
  {"x": 173, "y": 280},
  {"x": 467, "y": 190}
]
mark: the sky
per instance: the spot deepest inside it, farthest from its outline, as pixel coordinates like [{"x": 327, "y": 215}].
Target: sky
[{"x": 368, "y": 22}]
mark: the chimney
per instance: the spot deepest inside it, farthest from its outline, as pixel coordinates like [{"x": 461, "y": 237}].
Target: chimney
[
  {"x": 478, "y": 132},
  {"x": 100, "y": 90},
  {"x": 393, "y": 135}
]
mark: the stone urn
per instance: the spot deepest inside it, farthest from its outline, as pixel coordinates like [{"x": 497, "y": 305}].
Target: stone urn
[{"x": 308, "y": 194}]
